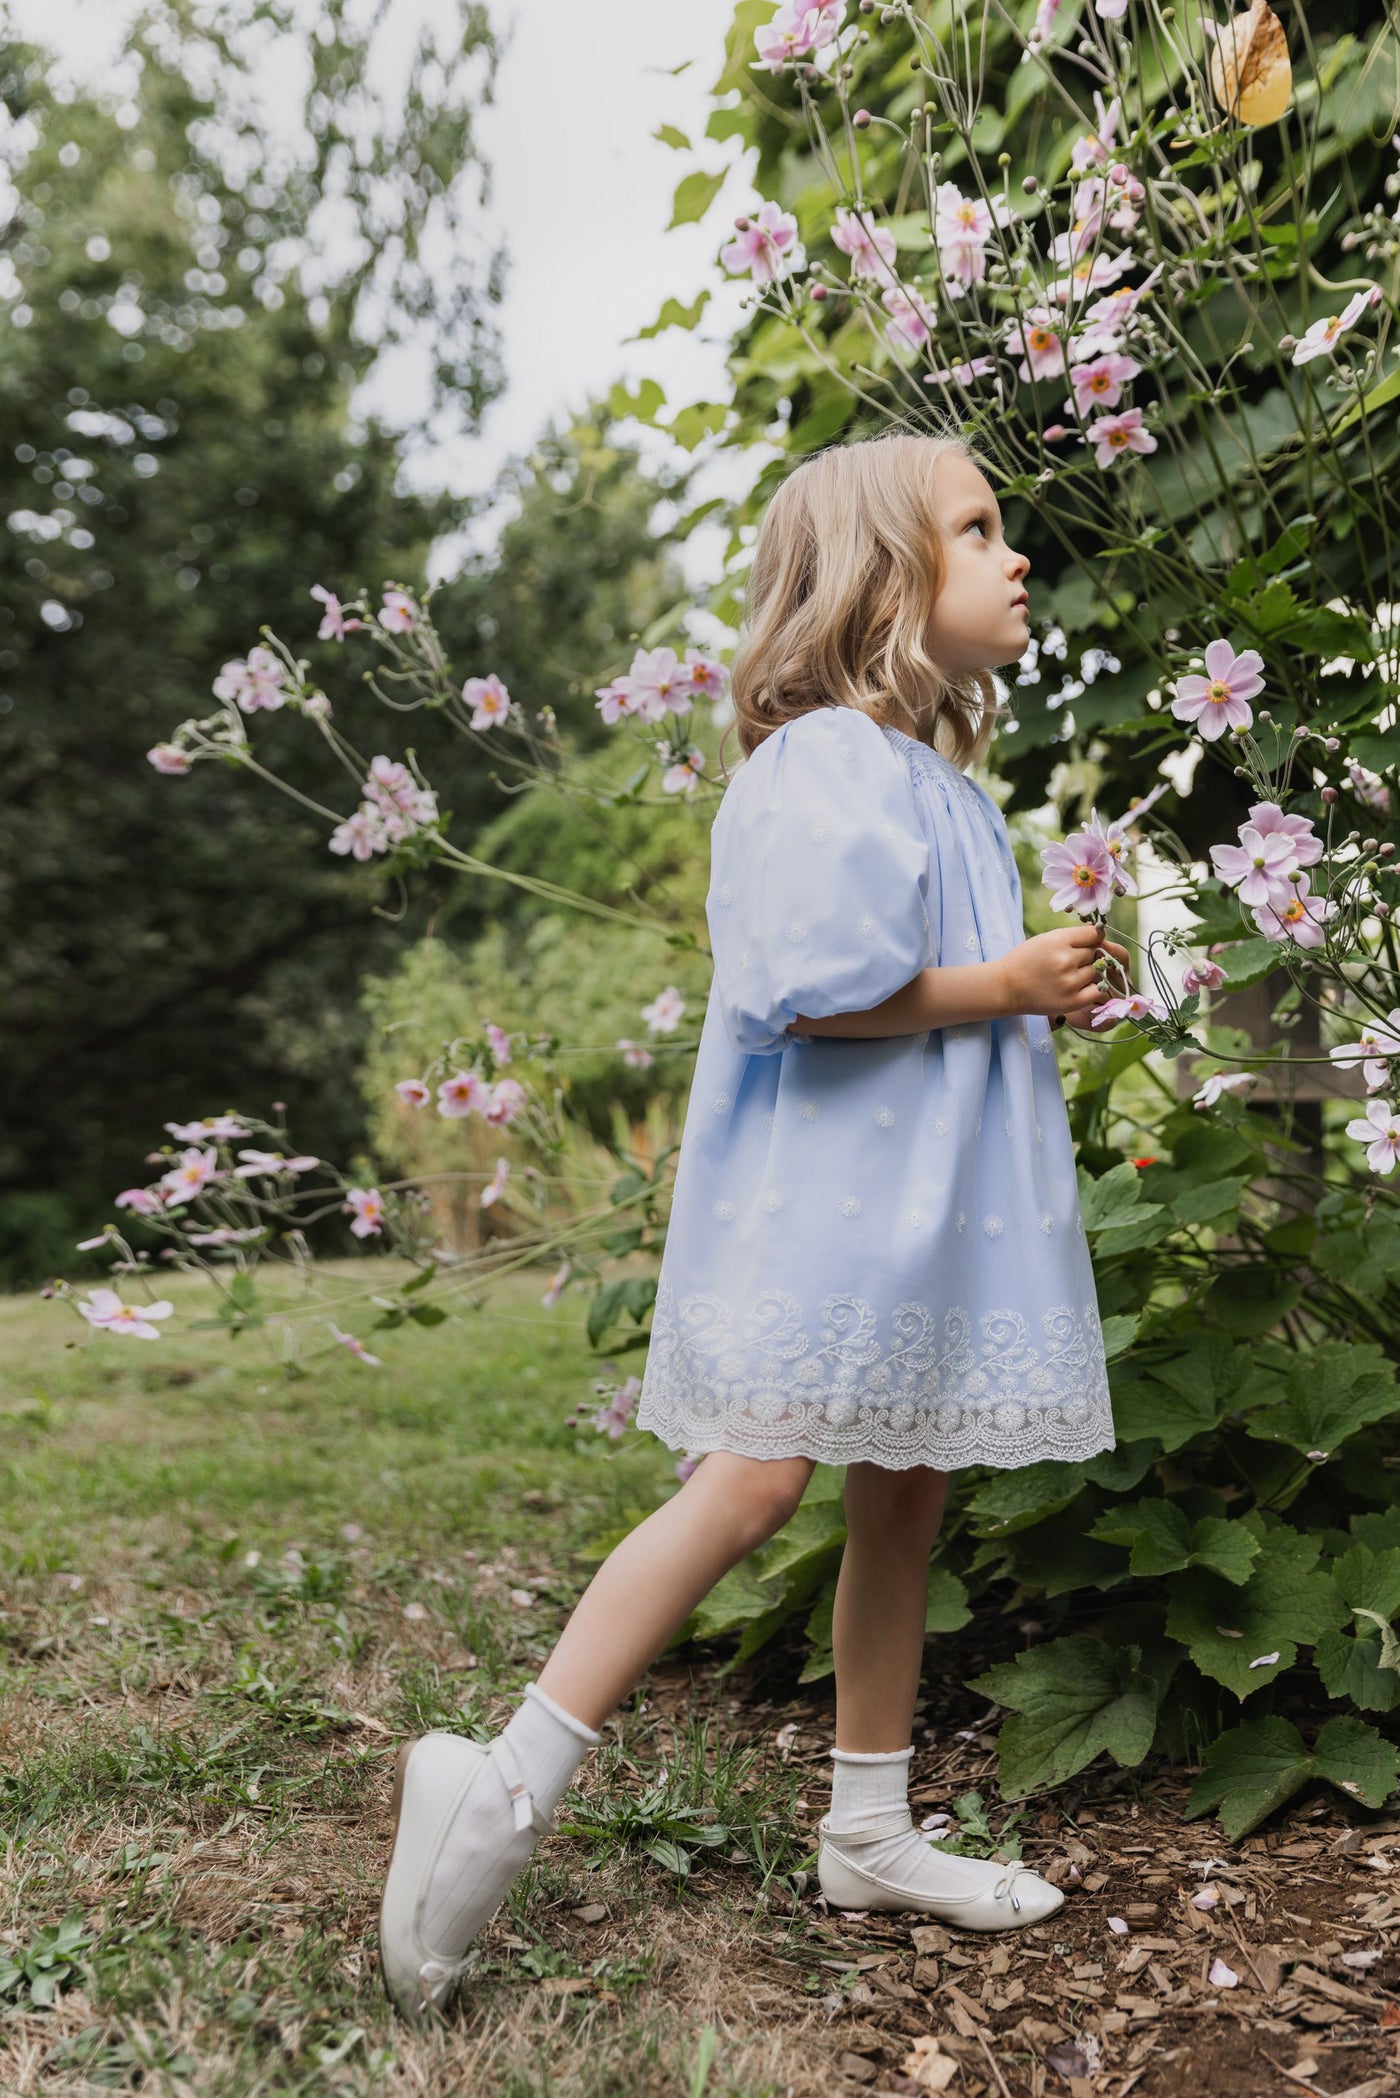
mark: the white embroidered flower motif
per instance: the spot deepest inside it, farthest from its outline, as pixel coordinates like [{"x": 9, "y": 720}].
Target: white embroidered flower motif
[
  {"x": 724, "y": 895},
  {"x": 1006, "y": 1127},
  {"x": 850, "y": 1205},
  {"x": 770, "y": 1118},
  {"x": 971, "y": 942},
  {"x": 810, "y": 1111},
  {"x": 772, "y": 1201},
  {"x": 794, "y": 931},
  {"x": 915, "y": 1217},
  {"x": 1044, "y": 1045},
  {"x": 1046, "y": 1223},
  {"x": 993, "y": 1226},
  {"x": 868, "y": 927},
  {"x": 886, "y": 830},
  {"x": 720, "y": 1102},
  {"x": 1079, "y": 1225},
  {"x": 977, "y": 1126},
  {"x": 1023, "y": 1033},
  {"x": 844, "y": 752},
  {"x": 959, "y": 1220},
  {"x": 885, "y": 1117},
  {"x": 725, "y": 1212},
  {"x": 817, "y": 834},
  {"x": 940, "y": 1127},
  {"x": 1039, "y": 1134}
]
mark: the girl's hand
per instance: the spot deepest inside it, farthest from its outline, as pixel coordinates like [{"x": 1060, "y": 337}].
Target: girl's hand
[{"x": 1054, "y": 974}]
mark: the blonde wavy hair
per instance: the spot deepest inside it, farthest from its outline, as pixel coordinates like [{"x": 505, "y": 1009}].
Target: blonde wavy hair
[{"x": 847, "y": 568}]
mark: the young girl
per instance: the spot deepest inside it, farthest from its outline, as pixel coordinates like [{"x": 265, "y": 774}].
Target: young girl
[{"x": 875, "y": 1255}]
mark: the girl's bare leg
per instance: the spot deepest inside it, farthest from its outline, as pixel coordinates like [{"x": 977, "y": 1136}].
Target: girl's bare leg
[
  {"x": 877, "y": 1631},
  {"x": 649, "y": 1584}
]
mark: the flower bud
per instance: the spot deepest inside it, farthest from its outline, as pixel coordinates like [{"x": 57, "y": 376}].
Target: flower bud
[
  {"x": 1382, "y": 910},
  {"x": 1387, "y": 849},
  {"x": 818, "y": 292},
  {"x": 1030, "y": 185},
  {"x": 1003, "y": 160},
  {"x": 1370, "y": 868},
  {"x": 1368, "y": 844},
  {"x": 861, "y": 120},
  {"x": 741, "y": 224},
  {"x": 1329, "y": 795},
  {"x": 1332, "y": 743}
]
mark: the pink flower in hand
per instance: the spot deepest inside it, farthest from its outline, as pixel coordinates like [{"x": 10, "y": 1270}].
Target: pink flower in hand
[
  {"x": 1202, "y": 976},
  {"x": 1379, "y": 1130},
  {"x": 1220, "y": 699},
  {"x": 1080, "y": 873},
  {"x": 760, "y": 244},
  {"x": 1137, "y": 1005}
]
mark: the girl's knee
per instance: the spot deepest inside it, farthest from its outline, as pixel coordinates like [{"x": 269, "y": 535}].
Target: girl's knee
[
  {"x": 912, "y": 1499},
  {"x": 763, "y": 1493}
]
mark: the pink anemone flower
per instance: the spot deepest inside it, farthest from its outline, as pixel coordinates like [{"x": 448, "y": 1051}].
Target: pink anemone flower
[
  {"x": 1079, "y": 873},
  {"x": 1220, "y": 699}
]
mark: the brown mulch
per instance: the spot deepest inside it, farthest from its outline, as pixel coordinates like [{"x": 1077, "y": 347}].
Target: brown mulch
[{"x": 1290, "y": 1982}]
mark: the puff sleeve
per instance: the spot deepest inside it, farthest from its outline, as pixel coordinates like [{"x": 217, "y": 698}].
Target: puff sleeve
[{"x": 819, "y": 871}]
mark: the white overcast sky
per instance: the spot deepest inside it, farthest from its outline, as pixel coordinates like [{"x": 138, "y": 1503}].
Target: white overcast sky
[{"x": 581, "y": 197}]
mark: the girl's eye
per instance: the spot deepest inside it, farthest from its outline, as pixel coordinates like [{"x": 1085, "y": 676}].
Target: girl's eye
[{"x": 981, "y": 524}]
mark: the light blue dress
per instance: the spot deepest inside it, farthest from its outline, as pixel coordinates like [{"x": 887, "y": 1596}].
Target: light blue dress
[{"x": 875, "y": 1249}]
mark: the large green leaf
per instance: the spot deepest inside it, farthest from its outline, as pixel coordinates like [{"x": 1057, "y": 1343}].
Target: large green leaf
[
  {"x": 947, "y": 1609},
  {"x": 1363, "y": 1664},
  {"x": 1181, "y": 1397},
  {"x": 1071, "y": 1700},
  {"x": 1332, "y": 1391},
  {"x": 1230, "y": 1630},
  {"x": 1162, "y": 1539},
  {"x": 1254, "y": 1768}
]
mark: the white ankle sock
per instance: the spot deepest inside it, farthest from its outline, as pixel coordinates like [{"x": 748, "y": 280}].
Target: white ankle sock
[
  {"x": 549, "y": 1744},
  {"x": 867, "y": 1787}
]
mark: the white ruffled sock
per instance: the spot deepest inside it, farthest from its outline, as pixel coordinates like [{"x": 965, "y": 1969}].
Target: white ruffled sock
[
  {"x": 483, "y": 1851},
  {"x": 866, "y": 1788}
]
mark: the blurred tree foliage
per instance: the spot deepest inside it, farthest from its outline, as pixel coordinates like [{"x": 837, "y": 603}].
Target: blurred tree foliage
[{"x": 190, "y": 302}]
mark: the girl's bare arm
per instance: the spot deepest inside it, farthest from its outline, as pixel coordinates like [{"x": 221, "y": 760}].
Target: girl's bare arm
[{"x": 1052, "y": 973}]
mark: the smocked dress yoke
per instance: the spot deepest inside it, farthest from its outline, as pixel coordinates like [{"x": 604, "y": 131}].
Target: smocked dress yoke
[{"x": 875, "y": 1249}]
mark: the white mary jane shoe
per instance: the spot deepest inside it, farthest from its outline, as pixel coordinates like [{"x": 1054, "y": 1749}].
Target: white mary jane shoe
[
  {"x": 980, "y": 1894},
  {"x": 439, "y": 1778}
]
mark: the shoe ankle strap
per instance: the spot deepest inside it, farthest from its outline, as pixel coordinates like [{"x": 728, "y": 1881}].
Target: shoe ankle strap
[
  {"x": 523, "y": 1806},
  {"x": 896, "y": 1824}
]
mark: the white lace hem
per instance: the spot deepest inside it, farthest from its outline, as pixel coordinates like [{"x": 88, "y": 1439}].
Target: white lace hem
[{"x": 935, "y": 1392}]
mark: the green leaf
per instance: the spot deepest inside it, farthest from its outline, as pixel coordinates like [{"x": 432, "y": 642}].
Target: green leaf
[
  {"x": 1251, "y": 1301},
  {"x": 1363, "y": 1664},
  {"x": 1332, "y": 1391},
  {"x": 690, "y": 426},
  {"x": 1248, "y": 1772},
  {"x": 1072, "y": 1700},
  {"x": 1162, "y": 1539},
  {"x": 1119, "y": 1333},
  {"x": 816, "y": 1532},
  {"x": 695, "y": 193},
  {"x": 669, "y": 136},
  {"x": 1287, "y": 1602},
  {"x": 1251, "y": 1770},
  {"x": 1209, "y": 1204},
  {"x": 672, "y": 315},
  {"x": 947, "y": 1609},
  {"x": 1114, "y": 1199},
  {"x": 1182, "y": 1397},
  {"x": 640, "y": 403},
  {"x": 1248, "y": 961},
  {"x": 427, "y": 1314}
]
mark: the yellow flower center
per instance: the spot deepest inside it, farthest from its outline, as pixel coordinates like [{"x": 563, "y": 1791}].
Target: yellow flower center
[
  {"x": 1295, "y": 911},
  {"x": 1085, "y": 877},
  {"x": 1217, "y": 693}
]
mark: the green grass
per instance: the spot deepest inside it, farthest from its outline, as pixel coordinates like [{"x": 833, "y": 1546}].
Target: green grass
[{"x": 224, "y": 1599}]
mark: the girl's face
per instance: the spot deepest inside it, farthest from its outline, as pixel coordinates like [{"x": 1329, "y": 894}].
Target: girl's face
[{"x": 980, "y": 620}]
